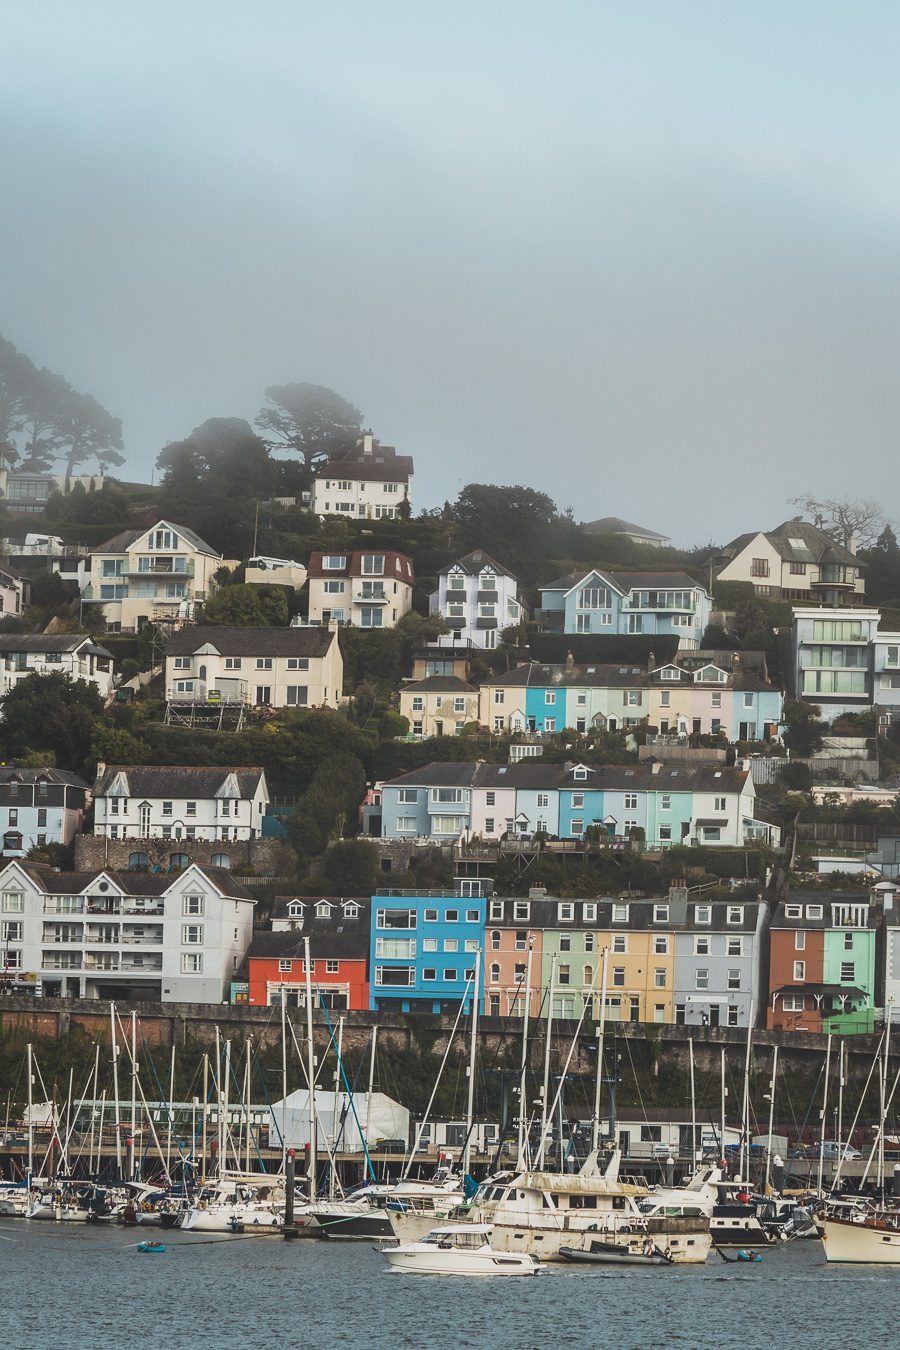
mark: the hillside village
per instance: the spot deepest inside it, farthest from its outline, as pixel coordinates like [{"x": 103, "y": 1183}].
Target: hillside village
[{"x": 275, "y": 698}]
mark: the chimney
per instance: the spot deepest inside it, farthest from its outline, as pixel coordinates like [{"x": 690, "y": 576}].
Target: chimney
[
  {"x": 367, "y": 441},
  {"x": 852, "y": 542},
  {"x": 570, "y": 663},
  {"x": 655, "y": 766},
  {"x": 651, "y": 662},
  {"x": 101, "y": 768}
]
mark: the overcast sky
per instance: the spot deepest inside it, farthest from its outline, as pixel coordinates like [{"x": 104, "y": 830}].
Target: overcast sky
[{"x": 642, "y": 256}]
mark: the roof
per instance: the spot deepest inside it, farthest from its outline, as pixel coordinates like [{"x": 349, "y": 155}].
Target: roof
[
  {"x": 9, "y": 775},
  {"x": 397, "y": 566},
  {"x": 337, "y": 936},
  {"x": 543, "y": 913},
  {"x": 177, "y": 781},
  {"x": 380, "y": 463},
  {"x": 439, "y": 684},
  {"x": 648, "y": 775},
  {"x": 52, "y": 882},
  {"x": 121, "y": 542},
  {"x": 626, "y": 581},
  {"x": 780, "y": 919},
  {"x": 311, "y": 642},
  {"x": 477, "y": 561},
  {"x": 796, "y": 541},
  {"x": 822, "y": 990},
  {"x": 615, "y": 525},
  {"x": 43, "y": 642}
]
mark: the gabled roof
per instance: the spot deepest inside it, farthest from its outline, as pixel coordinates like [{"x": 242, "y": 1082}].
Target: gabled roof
[
  {"x": 648, "y": 775},
  {"x": 477, "y": 561},
  {"x": 120, "y": 543},
  {"x": 309, "y": 642},
  {"x": 336, "y": 936},
  {"x": 52, "y": 882},
  {"x": 59, "y": 776},
  {"x": 534, "y": 674},
  {"x": 177, "y": 781},
  {"x": 43, "y": 642},
  {"x": 623, "y": 582},
  {"x": 397, "y": 566},
  {"x": 380, "y": 463},
  {"x": 796, "y": 541}
]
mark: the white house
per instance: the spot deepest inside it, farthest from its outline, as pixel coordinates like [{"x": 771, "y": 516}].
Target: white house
[
  {"x": 76, "y": 655},
  {"x": 368, "y": 588},
  {"x": 15, "y": 593},
  {"x": 143, "y": 575},
  {"x": 152, "y": 937},
  {"x": 795, "y": 561},
  {"x": 39, "y": 807},
  {"x": 371, "y": 482},
  {"x": 140, "y": 801},
  {"x": 273, "y": 667},
  {"x": 477, "y": 597}
]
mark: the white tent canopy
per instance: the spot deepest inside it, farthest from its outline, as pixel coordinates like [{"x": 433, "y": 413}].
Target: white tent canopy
[{"x": 386, "y": 1119}]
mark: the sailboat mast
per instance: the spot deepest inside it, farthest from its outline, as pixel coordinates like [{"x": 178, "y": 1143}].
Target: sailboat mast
[
  {"x": 473, "y": 1046},
  {"x": 693, "y": 1104},
  {"x": 745, "y": 1109},
  {"x": 724, "y": 1094},
  {"x": 30, "y": 1077},
  {"x": 134, "y": 1070},
  {"x": 598, "y": 1081},
  {"x": 313, "y": 1141},
  {"x": 115, "y": 1066},
  {"x": 546, "y": 1094},
  {"x": 369, "y": 1096},
  {"x": 284, "y": 1063},
  {"x": 772, "y": 1114},
  {"x": 247, "y": 1105},
  {"x": 171, "y": 1108},
  {"x": 203, "y": 1118},
  {"x": 334, "y": 1114},
  {"x": 521, "y": 1161},
  {"x": 840, "y": 1108},
  {"x": 822, "y": 1131}
]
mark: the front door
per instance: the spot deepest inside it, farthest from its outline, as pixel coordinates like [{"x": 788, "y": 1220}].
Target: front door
[
  {"x": 714, "y": 1014},
  {"x": 438, "y": 728},
  {"x": 635, "y": 1013},
  {"x": 744, "y": 731},
  {"x": 695, "y": 726}
]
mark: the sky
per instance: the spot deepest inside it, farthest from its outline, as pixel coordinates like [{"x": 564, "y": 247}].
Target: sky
[{"x": 642, "y": 256}]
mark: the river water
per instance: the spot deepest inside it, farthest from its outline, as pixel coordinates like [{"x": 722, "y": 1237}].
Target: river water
[{"x": 71, "y": 1287}]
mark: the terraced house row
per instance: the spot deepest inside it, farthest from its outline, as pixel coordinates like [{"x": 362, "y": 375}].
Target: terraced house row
[{"x": 704, "y": 803}]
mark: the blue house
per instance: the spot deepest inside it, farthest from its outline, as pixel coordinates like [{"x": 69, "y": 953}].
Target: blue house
[
  {"x": 423, "y": 951},
  {"x": 627, "y": 602}
]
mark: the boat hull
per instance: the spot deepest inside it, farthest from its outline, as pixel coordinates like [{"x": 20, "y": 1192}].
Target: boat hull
[
  {"x": 625, "y": 1257},
  {"x": 848, "y": 1243},
  {"x": 454, "y": 1262},
  {"x": 685, "y": 1248}
]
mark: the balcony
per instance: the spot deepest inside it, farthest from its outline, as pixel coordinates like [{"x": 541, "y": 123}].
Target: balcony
[
  {"x": 62, "y": 933},
  {"x": 152, "y": 937},
  {"x": 360, "y": 598},
  {"x": 94, "y": 962},
  {"x": 223, "y": 691},
  {"x": 162, "y": 567},
  {"x": 102, "y": 904},
  {"x": 61, "y": 961},
  {"x": 148, "y": 909},
  {"x": 152, "y": 962},
  {"x": 65, "y": 905}
]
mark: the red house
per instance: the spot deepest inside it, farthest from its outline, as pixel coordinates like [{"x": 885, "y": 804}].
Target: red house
[{"x": 338, "y": 932}]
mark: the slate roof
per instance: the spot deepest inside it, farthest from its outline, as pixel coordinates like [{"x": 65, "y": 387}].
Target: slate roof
[
  {"x": 544, "y": 913},
  {"x": 8, "y": 775},
  {"x": 648, "y": 775},
  {"x": 43, "y": 642},
  {"x": 52, "y": 882},
  {"x": 439, "y": 684},
  {"x": 354, "y": 567},
  {"x": 382, "y": 464},
  {"x": 312, "y": 642},
  {"x": 626, "y": 581},
  {"x": 812, "y": 544},
  {"x": 620, "y": 676},
  {"x": 615, "y": 525},
  {"x": 476, "y": 562},
  {"x": 337, "y": 937},
  {"x": 176, "y": 780},
  {"x": 780, "y": 919},
  {"x": 121, "y": 542}
]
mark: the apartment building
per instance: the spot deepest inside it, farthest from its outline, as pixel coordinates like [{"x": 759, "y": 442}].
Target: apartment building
[
  {"x": 39, "y": 807},
  {"x": 423, "y": 950}
]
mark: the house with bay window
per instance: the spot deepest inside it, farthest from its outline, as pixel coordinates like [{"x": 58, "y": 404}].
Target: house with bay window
[
  {"x": 424, "y": 950},
  {"x": 365, "y": 588},
  {"x": 270, "y": 667},
  {"x": 140, "y": 576},
  {"x": 796, "y": 561},
  {"x": 477, "y": 597},
  {"x": 649, "y": 603}
]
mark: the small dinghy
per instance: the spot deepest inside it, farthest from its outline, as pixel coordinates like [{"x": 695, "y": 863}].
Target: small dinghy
[
  {"x": 617, "y": 1254},
  {"x": 152, "y": 1247}
]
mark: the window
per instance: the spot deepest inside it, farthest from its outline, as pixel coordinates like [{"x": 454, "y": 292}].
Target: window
[
  {"x": 450, "y": 974},
  {"x": 594, "y": 597},
  {"x": 734, "y": 979},
  {"x": 373, "y": 564},
  {"x": 182, "y": 663},
  {"x": 734, "y": 946},
  {"x": 451, "y": 944},
  {"x": 297, "y": 695},
  {"x": 395, "y": 949},
  {"x": 334, "y": 562},
  {"x": 701, "y": 978},
  {"x": 588, "y": 942},
  {"x": 13, "y": 902},
  {"x": 660, "y": 944},
  {"x": 543, "y": 800},
  {"x": 735, "y": 914},
  {"x": 191, "y": 963},
  {"x": 11, "y": 931},
  {"x": 793, "y": 1003},
  {"x": 264, "y": 663},
  {"x": 406, "y": 824},
  {"x": 620, "y": 943},
  {"x": 659, "y": 978},
  {"x": 800, "y": 940},
  {"x": 285, "y": 966},
  {"x": 660, "y": 913},
  {"x": 732, "y": 1015},
  {"x": 577, "y": 801},
  {"x": 620, "y": 913},
  {"x": 521, "y": 910},
  {"x": 848, "y": 970},
  {"x": 566, "y": 911},
  {"x": 793, "y": 911},
  {"x": 194, "y": 904},
  {"x": 848, "y": 941},
  {"x": 619, "y": 977},
  {"x": 759, "y": 567},
  {"x": 549, "y": 723},
  {"x": 577, "y": 827},
  {"x": 665, "y": 833},
  {"x": 521, "y": 940},
  {"x": 298, "y": 663},
  {"x": 589, "y": 913},
  {"x": 397, "y": 975},
  {"x": 701, "y": 945},
  {"x": 814, "y": 911},
  {"x": 631, "y": 801},
  {"x": 452, "y": 916},
  {"x": 232, "y": 663},
  {"x": 799, "y": 970},
  {"x": 429, "y": 944},
  {"x": 563, "y": 974},
  {"x": 703, "y": 914},
  {"x": 191, "y": 934},
  {"x": 565, "y": 942}
]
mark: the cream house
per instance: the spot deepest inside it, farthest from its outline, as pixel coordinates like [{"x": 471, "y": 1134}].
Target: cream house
[
  {"x": 365, "y": 588},
  {"x": 439, "y": 705},
  {"x": 141, "y": 801},
  {"x": 272, "y": 667},
  {"x": 796, "y": 561},
  {"x": 143, "y": 575}
]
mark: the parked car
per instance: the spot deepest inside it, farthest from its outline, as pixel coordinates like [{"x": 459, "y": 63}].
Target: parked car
[{"x": 830, "y": 1150}]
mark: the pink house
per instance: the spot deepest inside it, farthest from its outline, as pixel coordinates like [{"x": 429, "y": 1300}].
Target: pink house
[{"x": 506, "y": 962}]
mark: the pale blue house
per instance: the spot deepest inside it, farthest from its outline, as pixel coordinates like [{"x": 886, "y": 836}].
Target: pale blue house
[{"x": 649, "y": 603}]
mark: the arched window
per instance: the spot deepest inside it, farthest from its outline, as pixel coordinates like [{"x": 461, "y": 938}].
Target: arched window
[
  {"x": 588, "y": 976},
  {"x": 495, "y": 940},
  {"x": 178, "y": 862},
  {"x": 137, "y": 861},
  {"x": 221, "y": 860},
  {"x": 495, "y": 973}
]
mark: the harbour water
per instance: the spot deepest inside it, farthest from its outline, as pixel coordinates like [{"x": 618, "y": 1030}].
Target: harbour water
[{"x": 72, "y": 1287}]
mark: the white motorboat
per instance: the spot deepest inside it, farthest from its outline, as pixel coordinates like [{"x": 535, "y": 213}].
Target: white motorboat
[
  {"x": 14, "y": 1201},
  {"x": 863, "y": 1239},
  {"x": 459, "y": 1249},
  {"x": 415, "y": 1206},
  {"x": 734, "y": 1218}
]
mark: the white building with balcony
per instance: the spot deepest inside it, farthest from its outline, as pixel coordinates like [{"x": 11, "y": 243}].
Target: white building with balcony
[
  {"x": 477, "y": 597},
  {"x": 144, "y": 575},
  {"x": 141, "y": 801},
  {"x": 74, "y": 654},
  {"x": 134, "y": 936},
  {"x": 251, "y": 667},
  {"x": 843, "y": 662},
  {"x": 367, "y": 588}
]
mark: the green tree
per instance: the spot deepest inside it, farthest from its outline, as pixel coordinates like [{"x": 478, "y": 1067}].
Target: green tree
[
  {"x": 213, "y": 480},
  {"x": 795, "y": 777},
  {"x": 310, "y": 420},
  {"x": 247, "y": 607},
  {"x": 514, "y": 523},
  {"x": 52, "y": 713},
  {"x": 350, "y": 867},
  {"x": 802, "y": 728},
  {"x": 883, "y": 567},
  {"x": 85, "y": 430}
]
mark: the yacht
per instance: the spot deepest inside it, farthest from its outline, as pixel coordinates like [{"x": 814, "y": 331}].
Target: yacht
[
  {"x": 361, "y": 1214},
  {"x": 459, "y": 1249},
  {"x": 541, "y": 1212},
  {"x": 733, "y": 1216},
  {"x": 236, "y": 1205},
  {"x": 860, "y": 1238},
  {"x": 414, "y": 1206}
]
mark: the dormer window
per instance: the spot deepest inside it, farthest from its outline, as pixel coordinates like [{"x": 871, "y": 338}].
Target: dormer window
[
  {"x": 660, "y": 913},
  {"x": 793, "y": 911},
  {"x": 579, "y": 773},
  {"x": 295, "y": 910},
  {"x": 620, "y": 913},
  {"x": 814, "y": 911},
  {"x": 565, "y": 911},
  {"x": 703, "y": 913},
  {"x": 334, "y": 562},
  {"x": 735, "y": 913},
  {"x": 351, "y": 910},
  {"x": 670, "y": 673},
  {"x": 373, "y": 564},
  {"x": 323, "y": 910}
]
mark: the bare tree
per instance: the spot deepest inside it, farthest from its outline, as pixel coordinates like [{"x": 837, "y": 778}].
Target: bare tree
[{"x": 856, "y": 521}]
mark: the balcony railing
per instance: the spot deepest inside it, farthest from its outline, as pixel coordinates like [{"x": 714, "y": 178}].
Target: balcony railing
[{"x": 162, "y": 568}]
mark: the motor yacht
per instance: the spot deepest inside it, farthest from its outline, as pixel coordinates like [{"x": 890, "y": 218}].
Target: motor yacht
[{"x": 459, "y": 1249}]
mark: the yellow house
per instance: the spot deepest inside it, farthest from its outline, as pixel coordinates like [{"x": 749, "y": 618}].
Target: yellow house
[{"x": 640, "y": 981}]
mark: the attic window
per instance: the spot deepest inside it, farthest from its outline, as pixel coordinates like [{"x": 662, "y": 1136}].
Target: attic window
[
  {"x": 295, "y": 909},
  {"x": 323, "y": 910},
  {"x": 351, "y": 911},
  {"x": 579, "y": 773},
  {"x": 669, "y": 673},
  {"x": 796, "y": 543}
]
